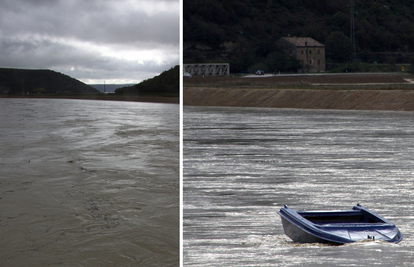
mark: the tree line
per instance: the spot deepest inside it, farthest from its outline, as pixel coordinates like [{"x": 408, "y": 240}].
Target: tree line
[
  {"x": 244, "y": 32},
  {"x": 25, "y": 81},
  {"x": 165, "y": 84}
]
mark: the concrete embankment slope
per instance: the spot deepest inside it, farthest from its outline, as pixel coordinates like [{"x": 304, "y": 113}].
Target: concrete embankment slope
[{"x": 301, "y": 98}]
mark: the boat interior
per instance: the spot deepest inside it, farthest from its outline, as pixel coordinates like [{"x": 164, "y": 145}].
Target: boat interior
[{"x": 348, "y": 216}]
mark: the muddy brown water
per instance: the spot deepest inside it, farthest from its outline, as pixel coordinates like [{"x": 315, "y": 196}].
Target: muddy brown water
[{"x": 88, "y": 183}]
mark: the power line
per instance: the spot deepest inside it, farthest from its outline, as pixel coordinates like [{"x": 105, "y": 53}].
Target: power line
[{"x": 352, "y": 35}]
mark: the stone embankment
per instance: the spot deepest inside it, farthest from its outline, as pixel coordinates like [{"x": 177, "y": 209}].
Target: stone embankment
[
  {"x": 349, "y": 96},
  {"x": 301, "y": 98}
]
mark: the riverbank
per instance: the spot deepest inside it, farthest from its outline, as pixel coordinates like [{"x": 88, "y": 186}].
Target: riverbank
[
  {"x": 108, "y": 97},
  {"x": 346, "y": 92},
  {"x": 301, "y": 98}
]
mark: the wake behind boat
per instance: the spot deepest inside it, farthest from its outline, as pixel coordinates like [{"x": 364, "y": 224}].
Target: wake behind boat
[{"x": 339, "y": 227}]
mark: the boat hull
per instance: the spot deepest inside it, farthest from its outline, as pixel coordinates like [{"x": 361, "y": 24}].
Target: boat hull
[
  {"x": 339, "y": 227},
  {"x": 298, "y": 235}
]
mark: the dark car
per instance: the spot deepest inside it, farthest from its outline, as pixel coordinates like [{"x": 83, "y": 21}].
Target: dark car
[{"x": 259, "y": 72}]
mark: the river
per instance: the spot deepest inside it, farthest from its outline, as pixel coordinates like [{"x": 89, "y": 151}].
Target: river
[
  {"x": 88, "y": 183},
  {"x": 241, "y": 165}
]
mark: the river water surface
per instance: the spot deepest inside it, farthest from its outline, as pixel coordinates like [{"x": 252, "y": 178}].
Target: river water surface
[
  {"x": 241, "y": 165},
  {"x": 88, "y": 183}
]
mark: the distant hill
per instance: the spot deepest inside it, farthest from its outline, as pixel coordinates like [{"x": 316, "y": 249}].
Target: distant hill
[
  {"x": 19, "y": 81},
  {"x": 243, "y": 32},
  {"x": 165, "y": 84},
  {"x": 109, "y": 88}
]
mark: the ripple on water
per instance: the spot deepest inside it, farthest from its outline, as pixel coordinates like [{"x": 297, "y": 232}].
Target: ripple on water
[
  {"x": 242, "y": 165},
  {"x": 73, "y": 192}
]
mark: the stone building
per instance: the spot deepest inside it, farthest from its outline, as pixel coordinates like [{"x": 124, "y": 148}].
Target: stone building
[{"x": 308, "y": 51}]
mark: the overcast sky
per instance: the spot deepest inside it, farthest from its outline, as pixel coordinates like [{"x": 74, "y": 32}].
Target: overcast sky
[{"x": 116, "y": 41}]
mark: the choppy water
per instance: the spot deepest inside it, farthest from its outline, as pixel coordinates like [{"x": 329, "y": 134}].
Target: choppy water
[
  {"x": 241, "y": 165},
  {"x": 88, "y": 183}
]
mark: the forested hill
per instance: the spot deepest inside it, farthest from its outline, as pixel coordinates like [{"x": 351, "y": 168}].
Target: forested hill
[
  {"x": 24, "y": 81},
  {"x": 165, "y": 84},
  {"x": 243, "y": 31}
]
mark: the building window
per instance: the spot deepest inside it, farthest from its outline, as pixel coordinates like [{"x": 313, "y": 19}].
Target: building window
[
  {"x": 310, "y": 51},
  {"x": 319, "y": 52},
  {"x": 310, "y": 61},
  {"x": 319, "y": 62},
  {"x": 302, "y": 52}
]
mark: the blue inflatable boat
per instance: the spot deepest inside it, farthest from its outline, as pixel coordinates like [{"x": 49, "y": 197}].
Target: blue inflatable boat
[{"x": 339, "y": 227}]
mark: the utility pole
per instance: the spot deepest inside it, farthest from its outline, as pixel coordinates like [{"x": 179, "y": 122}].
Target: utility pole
[
  {"x": 352, "y": 35},
  {"x": 104, "y": 87}
]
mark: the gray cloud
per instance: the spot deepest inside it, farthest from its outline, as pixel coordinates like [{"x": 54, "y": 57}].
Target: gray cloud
[{"x": 91, "y": 40}]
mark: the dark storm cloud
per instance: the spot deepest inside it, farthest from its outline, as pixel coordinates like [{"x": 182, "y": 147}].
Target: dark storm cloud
[{"x": 130, "y": 39}]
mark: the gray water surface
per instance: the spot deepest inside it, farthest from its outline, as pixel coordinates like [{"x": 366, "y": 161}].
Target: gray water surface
[
  {"x": 241, "y": 165},
  {"x": 88, "y": 183}
]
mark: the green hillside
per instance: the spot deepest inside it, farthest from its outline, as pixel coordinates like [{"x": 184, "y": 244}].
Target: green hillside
[
  {"x": 23, "y": 81},
  {"x": 165, "y": 84},
  {"x": 243, "y": 32}
]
